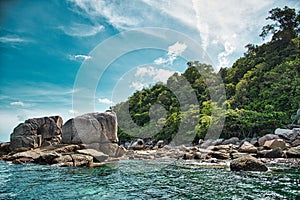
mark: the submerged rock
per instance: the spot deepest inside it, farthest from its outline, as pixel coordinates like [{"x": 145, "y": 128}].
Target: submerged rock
[{"x": 247, "y": 163}]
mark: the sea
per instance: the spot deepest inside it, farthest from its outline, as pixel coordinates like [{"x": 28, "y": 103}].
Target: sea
[{"x": 146, "y": 179}]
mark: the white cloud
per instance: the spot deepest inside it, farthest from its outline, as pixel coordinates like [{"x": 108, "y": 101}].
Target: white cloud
[
  {"x": 174, "y": 51},
  {"x": 137, "y": 85},
  {"x": 19, "y": 103},
  {"x": 150, "y": 72},
  {"x": 80, "y": 57},
  {"x": 105, "y": 101},
  {"x": 81, "y": 30},
  {"x": 13, "y": 40},
  {"x": 222, "y": 57},
  {"x": 117, "y": 14}
]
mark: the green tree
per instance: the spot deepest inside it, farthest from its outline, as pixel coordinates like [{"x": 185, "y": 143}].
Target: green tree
[{"x": 286, "y": 24}]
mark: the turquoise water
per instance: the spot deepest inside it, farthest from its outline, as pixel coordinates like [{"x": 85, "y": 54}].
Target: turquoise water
[{"x": 133, "y": 179}]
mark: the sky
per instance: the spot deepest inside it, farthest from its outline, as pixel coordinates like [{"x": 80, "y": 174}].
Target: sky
[{"x": 58, "y": 56}]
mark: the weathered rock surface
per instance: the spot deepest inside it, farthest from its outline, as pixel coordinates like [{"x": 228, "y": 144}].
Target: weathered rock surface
[
  {"x": 91, "y": 128},
  {"x": 34, "y": 133},
  {"x": 4, "y": 148},
  {"x": 293, "y": 152},
  {"x": 233, "y": 140},
  {"x": 274, "y": 153},
  {"x": 263, "y": 139},
  {"x": 247, "y": 147},
  {"x": 276, "y": 143},
  {"x": 139, "y": 144},
  {"x": 97, "y": 155},
  {"x": 247, "y": 163},
  {"x": 111, "y": 149}
]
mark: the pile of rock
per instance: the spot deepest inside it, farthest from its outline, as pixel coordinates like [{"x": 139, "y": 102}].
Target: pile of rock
[{"x": 87, "y": 140}]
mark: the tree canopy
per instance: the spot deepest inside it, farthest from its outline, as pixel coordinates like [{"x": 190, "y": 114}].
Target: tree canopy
[{"x": 262, "y": 90}]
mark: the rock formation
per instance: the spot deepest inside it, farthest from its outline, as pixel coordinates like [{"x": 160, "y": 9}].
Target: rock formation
[
  {"x": 91, "y": 128},
  {"x": 37, "y": 132}
]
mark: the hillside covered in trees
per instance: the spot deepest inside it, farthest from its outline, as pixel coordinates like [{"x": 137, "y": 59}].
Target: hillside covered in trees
[{"x": 262, "y": 91}]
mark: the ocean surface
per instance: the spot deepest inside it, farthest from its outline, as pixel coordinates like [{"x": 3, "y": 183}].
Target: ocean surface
[{"x": 152, "y": 179}]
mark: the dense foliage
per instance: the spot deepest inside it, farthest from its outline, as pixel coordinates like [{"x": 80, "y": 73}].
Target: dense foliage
[{"x": 262, "y": 92}]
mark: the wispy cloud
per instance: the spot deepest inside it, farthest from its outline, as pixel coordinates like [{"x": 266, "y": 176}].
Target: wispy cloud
[
  {"x": 19, "y": 104},
  {"x": 81, "y": 30},
  {"x": 117, "y": 14},
  {"x": 80, "y": 57},
  {"x": 105, "y": 101},
  {"x": 174, "y": 51},
  {"x": 13, "y": 39}
]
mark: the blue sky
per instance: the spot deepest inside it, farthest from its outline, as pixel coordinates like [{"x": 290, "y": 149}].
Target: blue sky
[{"x": 45, "y": 45}]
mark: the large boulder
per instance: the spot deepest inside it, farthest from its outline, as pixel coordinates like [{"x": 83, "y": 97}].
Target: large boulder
[
  {"x": 247, "y": 163},
  {"x": 247, "y": 147},
  {"x": 273, "y": 153},
  {"x": 91, "y": 128},
  {"x": 287, "y": 134},
  {"x": 276, "y": 143},
  {"x": 263, "y": 139},
  {"x": 37, "y": 132}
]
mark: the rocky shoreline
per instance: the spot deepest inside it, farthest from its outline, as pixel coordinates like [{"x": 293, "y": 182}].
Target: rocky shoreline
[{"x": 91, "y": 140}]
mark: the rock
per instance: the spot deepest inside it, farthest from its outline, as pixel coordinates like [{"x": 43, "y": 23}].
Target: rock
[
  {"x": 80, "y": 160},
  {"x": 138, "y": 145},
  {"x": 262, "y": 140},
  {"x": 91, "y": 128},
  {"x": 274, "y": 153},
  {"x": 46, "y": 158},
  {"x": 247, "y": 163},
  {"x": 97, "y": 155},
  {"x": 254, "y": 141},
  {"x": 188, "y": 156},
  {"x": 296, "y": 143},
  {"x": 287, "y": 134},
  {"x": 247, "y": 147},
  {"x": 63, "y": 161},
  {"x": 110, "y": 149},
  {"x": 205, "y": 144},
  {"x": 64, "y": 148},
  {"x": 276, "y": 143},
  {"x": 34, "y": 132},
  {"x": 4, "y": 148},
  {"x": 293, "y": 152},
  {"x": 219, "y": 155},
  {"x": 220, "y": 147},
  {"x": 160, "y": 144},
  {"x": 233, "y": 140}
]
